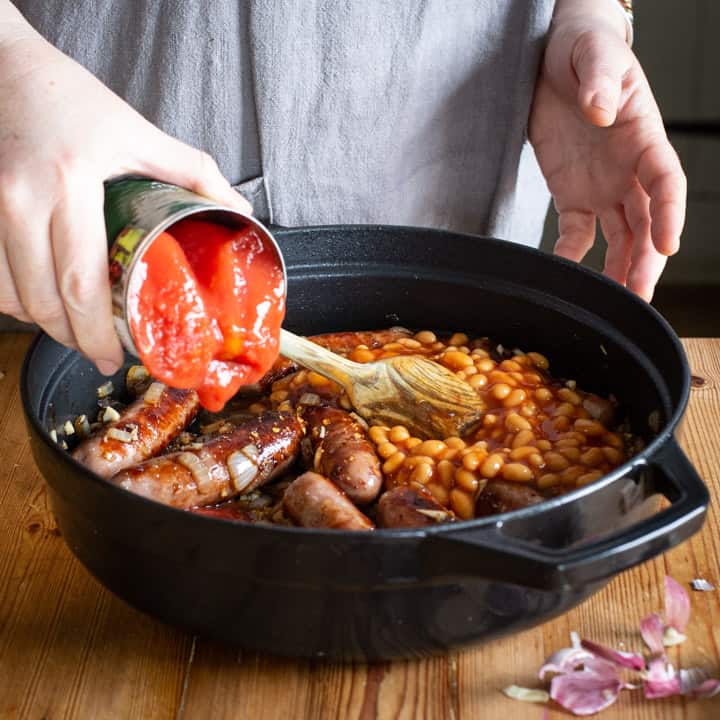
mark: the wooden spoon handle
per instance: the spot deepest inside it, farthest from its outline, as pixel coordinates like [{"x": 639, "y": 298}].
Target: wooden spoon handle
[{"x": 317, "y": 358}]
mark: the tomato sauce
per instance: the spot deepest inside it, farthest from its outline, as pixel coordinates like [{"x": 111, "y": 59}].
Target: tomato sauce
[{"x": 208, "y": 309}]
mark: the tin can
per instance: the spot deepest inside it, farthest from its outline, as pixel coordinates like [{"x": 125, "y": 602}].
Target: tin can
[{"x": 137, "y": 210}]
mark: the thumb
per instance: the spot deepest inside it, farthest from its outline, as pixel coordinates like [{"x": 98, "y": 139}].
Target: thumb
[
  {"x": 600, "y": 59},
  {"x": 175, "y": 162}
]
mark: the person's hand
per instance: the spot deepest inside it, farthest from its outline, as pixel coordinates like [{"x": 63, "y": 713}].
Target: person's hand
[
  {"x": 62, "y": 133},
  {"x": 602, "y": 147}
]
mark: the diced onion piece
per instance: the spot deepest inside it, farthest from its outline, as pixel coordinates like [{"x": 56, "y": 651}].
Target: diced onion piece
[
  {"x": 154, "y": 393},
  {"x": 526, "y": 694},
  {"x": 672, "y": 637},
  {"x": 677, "y": 607},
  {"x": 702, "y": 585},
  {"x": 437, "y": 515},
  {"x": 251, "y": 452},
  {"x": 197, "y": 469},
  {"x": 69, "y": 428},
  {"x": 105, "y": 389},
  {"x": 137, "y": 380},
  {"x": 82, "y": 426},
  {"x": 53, "y": 435},
  {"x": 110, "y": 414},
  {"x": 309, "y": 398},
  {"x": 243, "y": 470},
  {"x": 119, "y": 435}
]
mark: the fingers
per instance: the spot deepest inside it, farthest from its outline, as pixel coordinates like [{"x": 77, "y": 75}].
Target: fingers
[
  {"x": 175, "y": 162},
  {"x": 661, "y": 175},
  {"x": 619, "y": 244},
  {"x": 600, "y": 60},
  {"x": 30, "y": 262},
  {"x": 9, "y": 301},
  {"x": 577, "y": 234},
  {"x": 647, "y": 263},
  {"x": 79, "y": 247}
]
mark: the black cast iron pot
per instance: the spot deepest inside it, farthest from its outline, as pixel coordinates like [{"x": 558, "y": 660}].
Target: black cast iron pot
[{"x": 398, "y": 593}]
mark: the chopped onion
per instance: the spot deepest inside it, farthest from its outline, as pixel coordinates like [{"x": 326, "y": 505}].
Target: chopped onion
[
  {"x": 82, "y": 426},
  {"x": 309, "y": 398},
  {"x": 242, "y": 469},
  {"x": 197, "y": 469},
  {"x": 115, "y": 433},
  {"x": 69, "y": 428},
  {"x": 251, "y": 451},
  {"x": 651, "y": 629},
  {"x": 630, "y": 660},
  {"x": 154, "y": 393},
  {"x": 438, "y": 516},
  {"x": 137, "y": 380},
  {"x": 526, "y": 694},
  {"x": 677, "y": 605},
  {"x": 105, "y": 389},
  {"x": 110, "y": 414},
  {"x": 672, "y": 637}
]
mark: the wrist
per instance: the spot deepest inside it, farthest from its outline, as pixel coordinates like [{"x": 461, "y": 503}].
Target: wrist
[{"x": 590, "y": 15}]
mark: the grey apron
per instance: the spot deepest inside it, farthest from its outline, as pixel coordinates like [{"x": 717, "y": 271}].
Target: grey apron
[{"x": 409, "y": 112}]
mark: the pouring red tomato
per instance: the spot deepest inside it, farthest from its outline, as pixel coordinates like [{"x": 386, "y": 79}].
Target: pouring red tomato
[{"x": 208, "y": 310}]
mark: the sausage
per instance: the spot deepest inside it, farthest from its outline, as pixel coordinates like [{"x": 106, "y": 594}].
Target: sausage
[
  {"x": 339, "y": 342},
  {"x": 406, "y": 507},
  {"x": 225, "y": 512},
  {"x": 226, "y": 466},
  {"x": 500, "y": 496},
  {"x": 312, "y": 501},
  {"x": 149, "y": 424},
  {"x": 337, "y": 447}
]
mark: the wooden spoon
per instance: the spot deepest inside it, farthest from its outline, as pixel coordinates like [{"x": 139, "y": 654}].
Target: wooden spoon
[{"x": 429, "y": 400}]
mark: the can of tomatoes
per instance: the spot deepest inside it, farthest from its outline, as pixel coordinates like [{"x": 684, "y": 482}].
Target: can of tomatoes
[{"x": 137, "y": 212}]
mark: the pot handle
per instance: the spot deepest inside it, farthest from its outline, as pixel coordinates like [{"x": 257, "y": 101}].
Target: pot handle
[{"x": 493, "y": 553}]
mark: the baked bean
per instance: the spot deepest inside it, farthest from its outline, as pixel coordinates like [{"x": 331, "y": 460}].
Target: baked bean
[
  {"x": 498, "y": 376},
  {"x": 565, "y": 409},
  {"x": 613, "y": 455},
  {"x": 588, "y": 478},
  {"x": 570, "y": 476},
  {"x": 440, "y": 493},
  {"x": 492, "y": 466},
  {"x": 555, "y": 461},
  {"x": 532, "y": 378},
  {"x": 459, "y": 339},
  {"x": 472, "y": 460},
  {"x": 410, "y": 343},
  {"x": 592, "y": 457},
  {"x": 456, "y": 360},
  {"x": 379, "y": 434},
  {"x": 515, "y": 398},
  {"x": 543, "y": 395},
  {"x": 544, "y": 445},
  {"x": 446, "y": 473},
  {"x": 362, "y": 355},
  {"x": 536, "y": 460},
  {"x": 448, "y": 453},
  {"x": 518, "y": 377},
  {"x": 386, "y": 450},
  {"x": 517, "y": 472},
  {"x": 399, "y": 433},
  {"x": 522, "y": 452},
  {"x": 515, "y": 423},
  {"x": 412, "y": 442},
  {"x": 540, "y": 361},
  {"x": 412, "y": 462},
  {"x": 479, "y": 353},
  {"x": 500, "y": 391},
  {"x": 591, "y": 428},
  {"x": 571, "y": 453},
  {"x": 478, "y": 381},
  {"x": 567, "y": 443},
  {"x": 510, "y": 366},
  {"x": 456, "y": 443},
  {"x": 548, "y": 480},
  {"x": 613, "y": 440},
  {"x": 462, "y": 504},
  {"x": 489, "y": 420},
  {"x": 426, "y": 337},
  {"x": 432, "y": 448},
  {"x": 278, "y": 396},
  {"x": 466, "y": 480},
  {"x": 524, "y": 437},
  {"x": 569, "y": 396},
  {"x": 528, "y": 410},
  {"x": 485, "y": 365},
  {"x": 423, "y": 473},
  {"x": 469, "y": 371},
  {"x": 393, "y": 463},
  {"x": 562, "y": 423},
  {"x": 317, "y": 380},
  {"x": 345, "y": 403}
]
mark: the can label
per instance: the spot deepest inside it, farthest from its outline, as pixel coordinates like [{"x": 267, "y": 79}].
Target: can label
[{"x": 136, "y": 212}]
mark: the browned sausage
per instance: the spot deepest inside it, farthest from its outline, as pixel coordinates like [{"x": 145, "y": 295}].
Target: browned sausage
[
  {"x": 340, "y": 450},
  {"x": 223, "y": 467},
  {"x": 406, "y": 507},
  {"x": 225, "y": 512},
  {"x": 312, "y": 501},
  {"x": 339, "y": 342},
  {"x": 145, "y": 427},
  {"x": 500, "y": 496}
]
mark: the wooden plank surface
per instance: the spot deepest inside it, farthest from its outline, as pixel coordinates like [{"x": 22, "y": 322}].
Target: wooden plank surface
[{"x": 69, "y": 649}]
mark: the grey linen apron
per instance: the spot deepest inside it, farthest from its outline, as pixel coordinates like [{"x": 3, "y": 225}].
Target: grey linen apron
[{"x": 408, "y": 112}]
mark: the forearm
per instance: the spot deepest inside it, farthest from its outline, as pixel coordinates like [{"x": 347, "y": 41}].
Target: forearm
[
  {"x": 13, "y": 25},
  {"x": 592, "y": 12}
]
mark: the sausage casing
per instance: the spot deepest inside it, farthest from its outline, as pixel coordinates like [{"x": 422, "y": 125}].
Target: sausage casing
[
  {"x": 226, "y": 466},
  {"x": 406, "y": 507},
  {"x": 151, "y": 423},
  {"x": 339, "y": 449},
  {"x": 501, "y": 496},
  {"x": 312, "y": 501}
]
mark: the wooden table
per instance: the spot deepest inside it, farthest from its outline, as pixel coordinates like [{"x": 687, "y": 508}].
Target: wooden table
[{"x": 69, "y": 649}]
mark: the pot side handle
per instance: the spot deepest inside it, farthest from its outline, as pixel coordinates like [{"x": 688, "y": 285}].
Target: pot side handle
[{"x": 494, "y": 554}]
